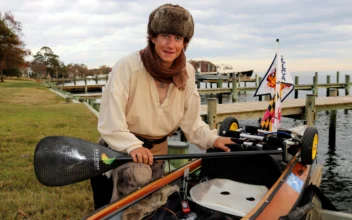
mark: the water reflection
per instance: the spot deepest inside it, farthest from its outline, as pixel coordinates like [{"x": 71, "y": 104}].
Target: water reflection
[
  {"x": 335, "y": 185},
  {"x": 336, "y": 179}
]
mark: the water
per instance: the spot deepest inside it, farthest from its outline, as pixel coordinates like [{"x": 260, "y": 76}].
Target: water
[
  {"x": 89, "y": 82},
  {"x": 337, "y": 166},
  {"x": 336, "y": 160},
  {"x": 337, "y": 170}
]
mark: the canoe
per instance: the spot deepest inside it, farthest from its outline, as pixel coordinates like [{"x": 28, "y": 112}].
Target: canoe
[
  {"x": 256, "y": 185},
  {"x": 281, "y": 197}
]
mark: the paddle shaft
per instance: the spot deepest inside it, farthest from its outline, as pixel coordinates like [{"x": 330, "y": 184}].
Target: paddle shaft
[{"x": 207, "y": 155}]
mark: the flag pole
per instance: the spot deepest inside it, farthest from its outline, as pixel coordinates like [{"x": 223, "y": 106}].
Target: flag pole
[{"x": 277, "y": 87}]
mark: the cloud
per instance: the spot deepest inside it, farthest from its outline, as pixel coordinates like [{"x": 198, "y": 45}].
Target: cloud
[{"x": 313, "y": 34}]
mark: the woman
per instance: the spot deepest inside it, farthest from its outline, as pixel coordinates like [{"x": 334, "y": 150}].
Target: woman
[{"x": 149, "y": 94}]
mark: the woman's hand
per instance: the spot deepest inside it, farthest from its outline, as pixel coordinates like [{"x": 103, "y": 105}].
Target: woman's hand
[
  {"x": 142, "y": 155},
  {"x": 221, "y": 141}
]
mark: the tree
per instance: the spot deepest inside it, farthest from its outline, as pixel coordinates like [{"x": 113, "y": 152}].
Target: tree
[
  {"x": 38, "y": 68},
  {"x": 47, "y": 57},
  {"x": 12, "y": 48},
  {"x": 104, "y": 69},
  {"x": 93, "y": 72},
  {"x": 62, "y": 69},
  {"x": 12, "y": 72},
  {"x": 74, "y": 69}
]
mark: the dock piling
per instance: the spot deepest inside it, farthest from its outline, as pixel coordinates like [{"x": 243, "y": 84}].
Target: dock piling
[
  {"x": 239, "y": 84},
  {"x": 91, "y": 102},
  {"x": 178, "y": 147},
  {"x": 219, "y": 84},
  {"x": 96, "y": 106},
  {"x": 260, "y": 97},
  {"x": 310, "y": 109},
  {"x": 328, "y": 82},
  {"x": 212, "y": 104},
  {"x": 315, "y": 84},
  {"x": 219, "y": 96},
  {"x": 296, "y": 84},
  {"x": 69, "y": 98},
  {"x": 267, "y": 97},
  {"x": 332, "y": 124},
  {"x": 337, "y": 76},
  {"x": 348, "y": 85},
  {"x": 338, "y": 80},
  {"x": 234, "y": 89},
  {"x": 347, "y": 88}
]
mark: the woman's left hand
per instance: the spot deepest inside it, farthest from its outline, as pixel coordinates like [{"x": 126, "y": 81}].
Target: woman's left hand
[{"x": 221, "y": 141}]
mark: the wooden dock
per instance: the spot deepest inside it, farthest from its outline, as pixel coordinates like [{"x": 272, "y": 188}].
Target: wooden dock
[
  {"x": 88, "y": 96},
  {"x": 74, "y": 79},
  {"x": 234, "y": 86},
  {"x": 295, "y": 108},
  {"x": 80, "y": 88}
]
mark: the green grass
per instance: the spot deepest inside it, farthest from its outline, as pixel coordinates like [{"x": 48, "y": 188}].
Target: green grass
[{"x": 28, "y": 113}]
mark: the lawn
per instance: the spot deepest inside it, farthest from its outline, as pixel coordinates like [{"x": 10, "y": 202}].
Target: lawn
[{"x": 28, "y": 113}]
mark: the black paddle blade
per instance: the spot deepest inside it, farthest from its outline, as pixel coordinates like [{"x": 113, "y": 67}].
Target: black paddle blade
[{"x": 60, "y": 160}]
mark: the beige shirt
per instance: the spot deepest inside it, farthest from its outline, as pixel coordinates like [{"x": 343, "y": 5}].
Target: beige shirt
[{"x": 130, "y": 104}]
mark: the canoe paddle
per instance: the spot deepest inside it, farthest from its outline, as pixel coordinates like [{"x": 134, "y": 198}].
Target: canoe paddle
[{"x": 61, "y": 160}]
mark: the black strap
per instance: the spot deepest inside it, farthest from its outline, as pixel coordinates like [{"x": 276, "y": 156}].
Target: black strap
[{"x": 149, "y": 143}]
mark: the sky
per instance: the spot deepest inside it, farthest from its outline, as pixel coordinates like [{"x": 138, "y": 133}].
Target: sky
[{"x": 315, "y": 35}]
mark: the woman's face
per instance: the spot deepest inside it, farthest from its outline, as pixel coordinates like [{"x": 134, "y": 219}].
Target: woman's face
[{"x": 168, "y": 47}]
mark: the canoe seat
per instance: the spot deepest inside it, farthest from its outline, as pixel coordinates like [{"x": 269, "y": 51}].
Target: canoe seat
[
  {"x": 257, "y": 169},
  {"x": 228, "y": 196}
]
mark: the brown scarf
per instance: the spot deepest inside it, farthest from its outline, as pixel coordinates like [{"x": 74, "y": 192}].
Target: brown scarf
[{"x": 176, "y": 73}]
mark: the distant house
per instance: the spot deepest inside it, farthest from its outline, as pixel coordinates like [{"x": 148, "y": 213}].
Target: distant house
[
  {"x": 27, "y": 72},
  {"x": 71, "y": 75},
  {"x": 203, "y": 66}
]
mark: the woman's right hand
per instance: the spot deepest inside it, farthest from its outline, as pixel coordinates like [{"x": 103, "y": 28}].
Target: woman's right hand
[{"x": 142, "y": 155}]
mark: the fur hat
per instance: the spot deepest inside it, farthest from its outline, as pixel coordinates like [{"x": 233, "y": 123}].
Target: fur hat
[{"x": 171, "y": 19}]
